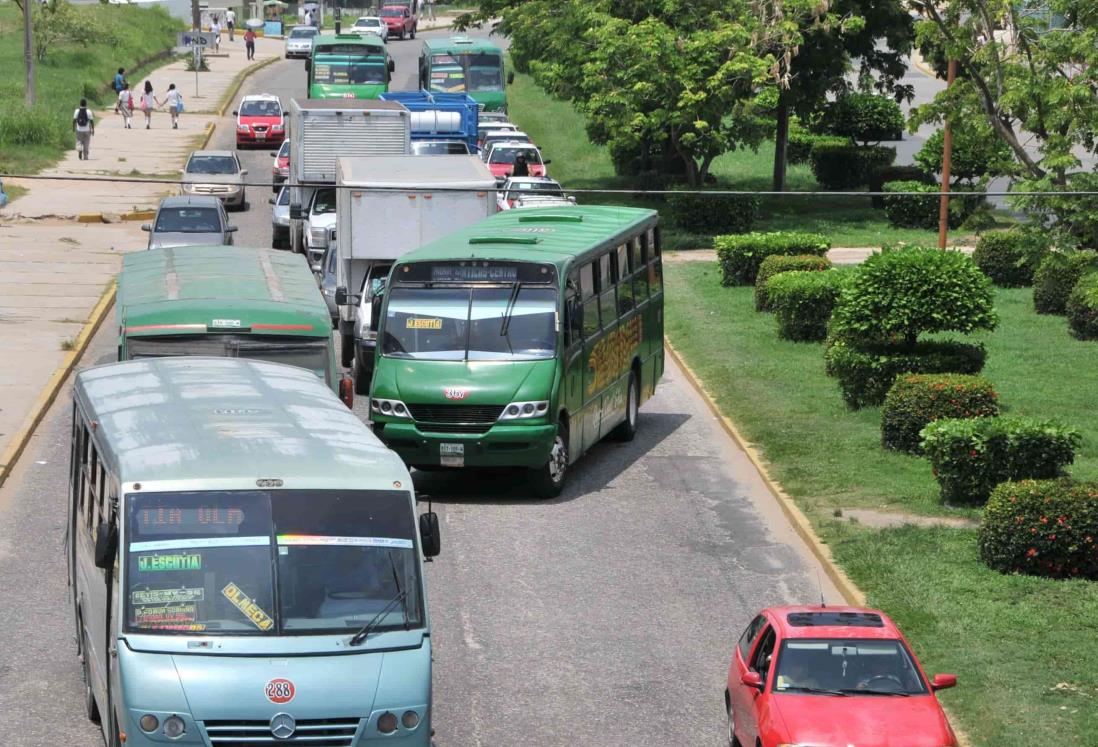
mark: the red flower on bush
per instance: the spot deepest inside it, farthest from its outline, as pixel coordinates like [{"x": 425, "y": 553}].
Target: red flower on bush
[{"x": 1031, "y": 552}]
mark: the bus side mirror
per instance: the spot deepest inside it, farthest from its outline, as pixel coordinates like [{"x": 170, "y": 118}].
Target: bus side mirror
[
  {"x": 392, "y": 65},
  {"x": 429, "y": 535},
  {"x": 375, "y": 311},
  {"x": 106, "y": 543},
  {"x": 341, "y": 296},
  {"x": 296, "y": 213},
  {"x": 510, "y": 77}
]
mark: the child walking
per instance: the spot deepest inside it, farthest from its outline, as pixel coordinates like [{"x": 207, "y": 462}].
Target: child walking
[
  {"x": 174, "y": 101},
  {"x": 125, "y": 106},
  {"x": 83, "y": 124},
  {"x": 148, "y": 101}
]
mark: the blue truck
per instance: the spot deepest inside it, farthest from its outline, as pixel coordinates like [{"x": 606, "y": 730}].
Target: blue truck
[{"x": 440, "y": 116}]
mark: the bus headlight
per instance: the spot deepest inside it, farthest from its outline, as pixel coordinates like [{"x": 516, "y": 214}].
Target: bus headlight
[
  {"x": 524, "y": 410},
  {"x": 149, "y": 722},
  {"x": 410, "y": 719},
  {"x": 393, "y": 408},
  {"x": 174, "y": 727},
  {"x": 387, "y": 723}
]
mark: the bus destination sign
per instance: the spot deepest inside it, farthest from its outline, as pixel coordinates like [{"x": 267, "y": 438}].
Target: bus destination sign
[{"x": 477, "y": 272}]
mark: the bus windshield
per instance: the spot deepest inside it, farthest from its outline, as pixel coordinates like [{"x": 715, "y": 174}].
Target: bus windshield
[
  {"x": 481, "y": 71},
  {"x": 283, "y": 562},
  {"x": 446, "y": 323},
  {"x": 347, "y": 70},
  {"x": 303, "y": 352}
]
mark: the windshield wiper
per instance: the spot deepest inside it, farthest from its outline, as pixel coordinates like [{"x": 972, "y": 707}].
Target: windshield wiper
[
  {"x": 510, "y": 309},
  {"x": 400, "y": 589},
  {"x": 815, "y": 690},
  {"x": 369, "y": 627},
  {"x": 864, "y": 691}
]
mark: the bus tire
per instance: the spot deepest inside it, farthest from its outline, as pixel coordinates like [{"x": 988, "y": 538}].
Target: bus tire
[
  {"x": 627, "y": 429},
  {"x": 346, "y": 349},
  {"x": 549, "y": 478}
]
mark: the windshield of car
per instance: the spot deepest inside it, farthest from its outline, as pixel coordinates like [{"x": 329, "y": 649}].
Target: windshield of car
[
  {"x": 453, "y": 148},
  {"x": 515, "y": 190},
  {"x": 480, "y": 71},
  {"x": 345, "y": 70},
  {"x": 212, "y": 165},
  {"x": 856, "y": 667},
  {"x": 503, "y": 154},
  {"x": 284, "y": 149},
  {"x": 367, "y": 22},
  {"x": 392, "y": 12},
  {"x": 187, "y": 220},
  {"x": 303, "y": 352},
  {"x": 260, "y": 108},
  {"x": 255, "y": 562},
  {"x": 463, "y": 323},
  {"x": 324, "y": 201},
  {"x": 283, "y": 197},
  {"x": 306, "y": 33}
]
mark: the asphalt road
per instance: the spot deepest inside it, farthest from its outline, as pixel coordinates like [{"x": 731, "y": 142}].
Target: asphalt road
[{"x": 604, "y": 617}]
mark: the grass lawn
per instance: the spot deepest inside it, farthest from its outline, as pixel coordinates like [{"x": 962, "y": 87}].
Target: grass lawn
[
  {"x": 1012, "y": 640},
  {"x": 579, "y": 164},
  {"x": 33, "y": 140}
]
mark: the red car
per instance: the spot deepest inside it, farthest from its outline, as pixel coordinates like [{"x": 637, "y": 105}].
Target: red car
[
  {"x": 400, "y": 21},
  {"x": 831, "y": 676},
  {"x": 260, "y": 121},
  {"x": 280, "y": 169}
]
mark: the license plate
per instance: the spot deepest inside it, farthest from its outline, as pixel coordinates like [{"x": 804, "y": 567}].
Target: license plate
[
  {"x": 451, "y": 455},
  {"x": 261, "y": 136}
]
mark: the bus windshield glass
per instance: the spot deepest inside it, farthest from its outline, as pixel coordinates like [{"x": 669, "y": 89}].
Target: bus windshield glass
[
  {"x": 270, "y": 562},
  {"x": 303, "y": 352},
  {"x": 514, "y": 322},
  {"x": 457, "y": 73},
  {"x": 348, "y": 70}
]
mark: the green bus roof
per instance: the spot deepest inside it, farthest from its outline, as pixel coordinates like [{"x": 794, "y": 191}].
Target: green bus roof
[
  {"x": 365, "y": 40},
  {"x": 199, "y": 289},
  {"x": 552, "y": 235},
  {"x": 459, "y": 44}
]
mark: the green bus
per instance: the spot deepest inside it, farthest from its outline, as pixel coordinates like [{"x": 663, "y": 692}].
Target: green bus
[
  {"x": 348, "y": 66},
  {"x": 521, "y": 341},
  {"x": 225, "y": 301},
  {"x": 463, "y": 65}
]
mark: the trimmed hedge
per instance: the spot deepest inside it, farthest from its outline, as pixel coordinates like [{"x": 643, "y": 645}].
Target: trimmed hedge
[
  {"x": 803, "y": 301},
  {"x": 777, "y": 263},
  {"x": 1011, "y": 257},
  {"x": 1082, "y": 308},
  {"x": 918, "y": 211},
  {"x": 865, "y": 374},
  {"x": 895, "y": 173},
  {"x": 1055, "y": 278},
  {"x": 865, "y": 116},
  {"x": 740, "y": 256},
  {"x": 801, "y": 143},
  {"x": 970, "y": 456},
  {"x": 708, "y": 214},
  {"x": 1042, "y": 528},
  {"x": 916, "y": 400},
  {"x": 848, "y": 166}
]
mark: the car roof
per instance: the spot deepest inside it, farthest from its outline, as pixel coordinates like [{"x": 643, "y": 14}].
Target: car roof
[
  {"x": 817, "y": 621},
  {"x": 228, "y": 153},
  {"x": 178, "y": 201},
  {"x": 367, "y": 18},
  {"x": 509, "y": 133},
  {"x": 260, "y": 97}
]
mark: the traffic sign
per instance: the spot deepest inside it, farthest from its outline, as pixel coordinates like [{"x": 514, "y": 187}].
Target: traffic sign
[{"x": 193, "y": 39}]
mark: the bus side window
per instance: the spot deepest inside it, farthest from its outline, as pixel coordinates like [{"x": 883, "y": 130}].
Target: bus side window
[
  {"x": 640, "y": 280},
  {"x": 608, "y": 304},
  {"x": 91, "y": 479},
  {"x": 590, "y": 300},
  {"x": 625, "y": 282},
  {"x": 78, "y": 468},
  {"x": 573, "y": 314}
]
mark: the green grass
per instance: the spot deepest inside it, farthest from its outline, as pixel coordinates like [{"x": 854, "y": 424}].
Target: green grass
[
  {"x": 1010, "y": 639},
  {"x": 579, "y": 164},
  {"x": 35, "y": 139}
]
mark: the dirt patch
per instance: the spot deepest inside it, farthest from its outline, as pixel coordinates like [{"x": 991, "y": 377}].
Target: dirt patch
[{"x": 889, "y": 519}]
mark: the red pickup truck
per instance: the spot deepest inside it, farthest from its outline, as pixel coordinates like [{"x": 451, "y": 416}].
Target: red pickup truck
[{"x": 401, "y": 21}]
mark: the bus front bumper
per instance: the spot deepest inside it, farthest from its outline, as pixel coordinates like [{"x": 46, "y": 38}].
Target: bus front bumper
[{"x": 502, "y": 446}]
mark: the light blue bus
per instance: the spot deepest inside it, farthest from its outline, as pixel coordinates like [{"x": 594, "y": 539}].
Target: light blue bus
[{"x": 244, "y": 560}]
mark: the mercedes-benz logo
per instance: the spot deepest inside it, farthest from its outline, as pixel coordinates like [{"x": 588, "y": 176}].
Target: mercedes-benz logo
[{"x": 283, "y": 726}]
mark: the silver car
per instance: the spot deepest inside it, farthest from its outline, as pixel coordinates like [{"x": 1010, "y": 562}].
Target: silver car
[
  {"x": 300, "y": 41},
  {"x": 280, "y": 219},
  {"x": 217, "y": 173},
  {"x": 326, "y": 279},
  {"x": 189, "y": 221}
]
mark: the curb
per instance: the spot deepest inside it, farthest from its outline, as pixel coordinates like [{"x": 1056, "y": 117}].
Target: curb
[
  {"x": 210, "y": 127},
  {"x": 850, "y": 592},
  {"x": 238, "y": 81},
  {"x": 53, "y": 386}
]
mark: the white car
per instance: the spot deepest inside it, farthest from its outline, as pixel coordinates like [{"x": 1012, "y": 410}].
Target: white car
[
  {"x": 321, "y": 219},
  {"x": 492, "y": 137},
  {"x": 532, "y": 191},
  {"x": 371, "y": 25},
  {"x": 300, "y": 41}
]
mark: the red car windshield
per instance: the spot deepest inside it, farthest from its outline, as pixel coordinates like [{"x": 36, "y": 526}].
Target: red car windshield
[
  {"x": 260, "y": 108},
  {"x": 847, "y": 666},
  {"x": 392, "y": 12}
]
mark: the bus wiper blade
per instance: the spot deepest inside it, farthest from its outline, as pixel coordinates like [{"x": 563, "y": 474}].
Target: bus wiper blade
[
  {"x": 400, "y": 589},
  {"x": 369, "y": 627},
  {"x": 815, "y": 690},
  {"x": 510, "y": 310}
]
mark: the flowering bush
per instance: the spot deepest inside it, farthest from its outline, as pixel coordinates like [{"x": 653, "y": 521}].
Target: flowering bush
[{"x": 916, "y": 400}]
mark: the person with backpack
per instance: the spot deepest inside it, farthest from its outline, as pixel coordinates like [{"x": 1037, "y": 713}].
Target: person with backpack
[
  {"x": 83, "y": 124},
  {"x": 124, "y": 105},
  {"x": 148, "y": 101},
  {"x": 119, "y": 81},
  {"x": 174, "y": 101}
]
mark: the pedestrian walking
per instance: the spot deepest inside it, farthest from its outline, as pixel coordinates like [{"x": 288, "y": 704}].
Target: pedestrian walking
[
  {"x": 83, "y": 124},
  {"x": 301, "y": 15},
  {"x": 249, "y": 43},
  {"x": 119, "y": 80},
  {"x": 308, "y": 18},
  {"x": 215, "y": 30},
  {"x": 230, "y": 21},
  {"x": 174, "y": 101},
  {"x": 431, "y": 10},
  {"x": 124, "y": 105},
  {"x": 148, "y": 101}
]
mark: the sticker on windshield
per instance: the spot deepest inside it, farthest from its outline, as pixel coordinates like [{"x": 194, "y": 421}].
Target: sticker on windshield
[
  {"x": 317, "y": 539},
  {"x": 166, "y": 614},
  {"x": 250, "y": 609},
  {"x": 153, "y": 563},
  {"x": 168, "y": 596},
  {"x": 415, "y": 323}
]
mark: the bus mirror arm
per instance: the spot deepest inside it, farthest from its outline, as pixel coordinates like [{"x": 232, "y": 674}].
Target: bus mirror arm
[{"x": 106, "y": 543}]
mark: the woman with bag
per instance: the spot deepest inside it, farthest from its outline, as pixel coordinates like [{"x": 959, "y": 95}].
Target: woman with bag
[
  {"x": 174, "y": 100},
  {"x": 125, "y": 106},
  {"x": 148, "y": 101}
]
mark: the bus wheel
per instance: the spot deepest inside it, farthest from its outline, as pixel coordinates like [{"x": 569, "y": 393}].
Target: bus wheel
[
  {"x": 628, "y": 427},
  {"x": 549, "y": 478}
]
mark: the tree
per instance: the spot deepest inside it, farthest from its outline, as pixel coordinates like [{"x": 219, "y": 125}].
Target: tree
[
  {"x": 29, "y": 90},
  {"x": 60, "y": 22},
  {"x": 977, "y": 153}
]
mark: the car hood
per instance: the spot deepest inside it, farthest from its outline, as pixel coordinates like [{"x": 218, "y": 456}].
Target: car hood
[
  {"x": 169, "y": 240},
  {"x": 302, "y": 43},
  {"x": 212, "y": 179},
  {"x": 253, "y": 121},
  {"x": 863, "y": 720},
  {"x": 480, "y": 382},
  {"x": 324, "y": 220}
]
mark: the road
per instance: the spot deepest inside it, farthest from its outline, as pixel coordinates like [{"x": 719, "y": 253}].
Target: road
[{"x": 604, "y": 617}]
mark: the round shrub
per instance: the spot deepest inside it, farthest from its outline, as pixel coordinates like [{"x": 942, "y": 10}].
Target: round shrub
[
  {"x": 921, "y": 210},
  {"x": 848, "y": 166},
  {"x": 1082, "y": 308},
  {"x": 777, "y": 263},
  {"x": 1011, "y": 257},
  {"x": 741, "y": 256},
  {"x": 801, "y": 143},
  {"x": 895, "y": 173},
  {"x": 712, "y": 213},
  {"x": 977, "y": 151},
  {"x": 916, "y": 400},
  {"x": 865, "y": 117},
  {"x": 1056, "y": 276},
  {"x": 970, "y": 456},
  {"x": 802, "y": 302},
  {"x": 1042, "y": 528}
]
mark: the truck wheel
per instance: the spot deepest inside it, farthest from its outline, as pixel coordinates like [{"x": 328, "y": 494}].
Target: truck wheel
[
  {"x": 346, "y": 349},
  {"x": 362, "y": 378},
  {"x": 548, "y": 480},
  {"x": 627, "y": 429}
]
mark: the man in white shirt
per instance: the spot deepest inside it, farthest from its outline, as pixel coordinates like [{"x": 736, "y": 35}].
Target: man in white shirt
[
  {"x": 230, "y": 21},
  {"x": 83, "y": 124},
  {"x": 215, "y": 30}
]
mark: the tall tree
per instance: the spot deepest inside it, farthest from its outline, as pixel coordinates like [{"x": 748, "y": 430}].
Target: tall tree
[{"x": 29, "y": 93}]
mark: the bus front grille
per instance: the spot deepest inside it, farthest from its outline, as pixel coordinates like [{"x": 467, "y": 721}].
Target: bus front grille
[
  {"x": 319, "y": 732},
  {"x": 457, "y": 415}
]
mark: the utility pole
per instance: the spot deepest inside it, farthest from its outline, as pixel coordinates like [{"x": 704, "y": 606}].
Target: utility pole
[
  {"x": 196, "y": 16},
  {"x": 947, "y": 165},
  {"x": 28, "y": 52}
]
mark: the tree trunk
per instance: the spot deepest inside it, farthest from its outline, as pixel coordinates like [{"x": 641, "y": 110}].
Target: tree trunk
[
  {"x": 781, "y": 143},
  {"x": 691, "y": 166},
  {"x": 28, "y": 53}
]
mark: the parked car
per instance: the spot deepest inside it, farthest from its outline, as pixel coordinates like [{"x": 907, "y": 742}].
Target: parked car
[
  {"x": 371, "y": 25},
  {"x": 320, "y": 220},
  {"x": 831, "y": 675},
  {"x": 501, "y": 136},
  {"x": 260, "y": 121},
  {"x": 439, "y": 148},
  {"x": 502, "y": 156},
  {"x": 280, "y": 219},
  {"x": 326, "y": 279},
  {"x": 189, "y": 221},
  {"x": 400, "y": 21},
  {"x": 280, "y": 169},
  {"x": 531, "y": 191},
  {"x": 217, "y": 173},
  {"x": 300, "y": 41}
]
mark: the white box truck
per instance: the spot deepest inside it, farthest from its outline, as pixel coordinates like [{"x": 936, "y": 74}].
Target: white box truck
[
  {"x": 386, "y": 207},
  {"x": 321, "y": 131}
]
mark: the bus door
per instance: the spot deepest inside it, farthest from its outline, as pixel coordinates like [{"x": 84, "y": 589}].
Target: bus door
[
  {"x": 613, "y": 351},
  {"x": 572, "y": 386},
  {"x": 592, "y": 333}
]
